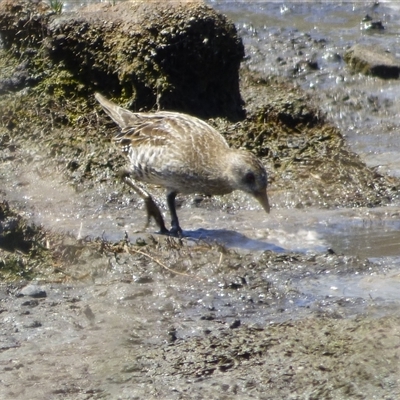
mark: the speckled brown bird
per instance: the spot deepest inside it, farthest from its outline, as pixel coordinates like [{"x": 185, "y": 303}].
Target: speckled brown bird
[{"x": 185, "y": 155}]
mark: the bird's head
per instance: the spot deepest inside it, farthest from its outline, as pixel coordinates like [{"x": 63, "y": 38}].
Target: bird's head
[{"x": 249, "y": 175}]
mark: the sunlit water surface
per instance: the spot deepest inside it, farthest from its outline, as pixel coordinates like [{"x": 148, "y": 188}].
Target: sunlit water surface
[{"x": 281, "y": 37}]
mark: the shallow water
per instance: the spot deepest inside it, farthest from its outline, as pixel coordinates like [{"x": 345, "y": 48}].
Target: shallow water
[
  {"x": 373, "y": 287},
  {"x": 281, "y": 39},
  {"x": 368, "y": 233}
]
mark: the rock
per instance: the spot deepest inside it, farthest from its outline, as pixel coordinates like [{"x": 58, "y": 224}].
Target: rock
[
  {"x": 30, "y": 303},
  {"x": 33, "y": 324},
  {"x": 89, "y": 313},
  {"x": 369, "y": 24},
  {"x": 373, "y": 60},
  {"x": 172, "y": 337},
  {"x": 15, "y": 232},
  {"x": 174, "y": 55},
  {"x": 235, "y": 324},
  {"x": 23, "y": 23},
  {"x": 33, "y": 291}
]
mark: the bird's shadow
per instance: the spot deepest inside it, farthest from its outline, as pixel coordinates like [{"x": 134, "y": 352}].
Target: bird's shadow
[{"x": 231, "y": 239}]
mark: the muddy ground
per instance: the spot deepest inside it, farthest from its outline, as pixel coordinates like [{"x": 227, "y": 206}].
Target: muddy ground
[{"x": 158, "y": 317}]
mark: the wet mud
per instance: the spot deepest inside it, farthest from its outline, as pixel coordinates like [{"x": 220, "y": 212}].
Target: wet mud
[
  {"x": 88, "y": 313},
  {"x": 174, "y": 319}
]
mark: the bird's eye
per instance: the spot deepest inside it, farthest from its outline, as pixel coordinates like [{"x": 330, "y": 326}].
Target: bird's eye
[{"x": 249, "y": 178}]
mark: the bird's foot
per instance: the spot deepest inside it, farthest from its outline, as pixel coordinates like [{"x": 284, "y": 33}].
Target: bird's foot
[
  {"x": 163, "y": 232},
  {"x": 176, "y": 231},
  {"x": 152, "y": 209}
]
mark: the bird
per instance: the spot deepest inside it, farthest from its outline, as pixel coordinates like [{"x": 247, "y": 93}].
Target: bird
[{"x": 183, "y": 154}]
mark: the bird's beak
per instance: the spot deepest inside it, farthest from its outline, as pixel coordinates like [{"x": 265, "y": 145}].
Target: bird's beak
[{"x": 262, "y": 197}]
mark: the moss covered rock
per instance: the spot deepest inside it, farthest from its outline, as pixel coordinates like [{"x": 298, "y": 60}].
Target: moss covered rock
[{"x": 168, "y": 55}]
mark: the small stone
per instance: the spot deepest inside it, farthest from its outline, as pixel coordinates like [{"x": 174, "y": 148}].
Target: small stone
[
  {"x": 30, "y": 303},
  {"x": 33, "y": 291},
  {"x": 373, "y": 60},
  {"x": 235, "y": 324},
  {"x": 89, "y": 314},
  {"x": 34, "y": 324},
  {"x": 207, "y": 317},
  {"x": 172, "y": 337}
]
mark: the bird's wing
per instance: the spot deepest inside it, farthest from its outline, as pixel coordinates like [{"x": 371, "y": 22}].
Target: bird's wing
[
  {"x": 137, "y": 129},
  {"x": 159, "y": 129},
  {"x": 148, "y": 130},
  {"x": 119, "y": 115}
]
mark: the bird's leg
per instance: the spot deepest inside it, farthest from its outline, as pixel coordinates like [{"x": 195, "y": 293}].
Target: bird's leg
[
  {"x": 175, "y": 228},
  {"x": 151, "y": 207}
]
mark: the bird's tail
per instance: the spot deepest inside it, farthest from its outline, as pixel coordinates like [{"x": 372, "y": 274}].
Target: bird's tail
[{"x": 119, "y": 115}]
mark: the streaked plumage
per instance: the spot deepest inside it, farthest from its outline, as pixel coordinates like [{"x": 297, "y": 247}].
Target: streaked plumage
[{"x": 185, "y": 155}]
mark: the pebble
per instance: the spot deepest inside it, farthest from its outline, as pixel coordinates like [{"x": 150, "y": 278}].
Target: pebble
[{"x": 32, "y": 290}]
